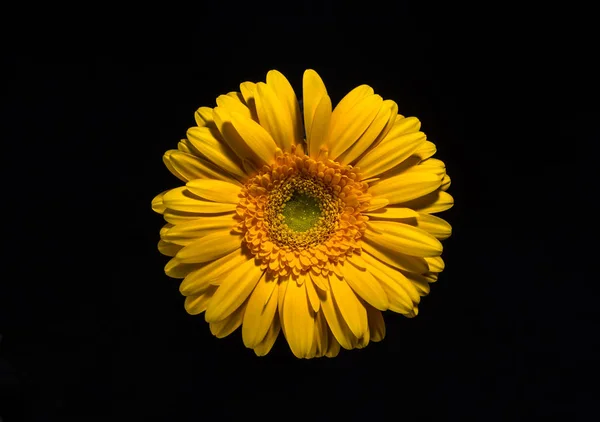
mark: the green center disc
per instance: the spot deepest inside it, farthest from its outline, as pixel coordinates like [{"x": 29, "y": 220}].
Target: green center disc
[{"x": 301, "y": 212}]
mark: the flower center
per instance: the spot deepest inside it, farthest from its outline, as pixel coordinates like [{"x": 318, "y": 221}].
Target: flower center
[
  {"x": 301, "y": 211},
  {"x": 301, "y": 214}
]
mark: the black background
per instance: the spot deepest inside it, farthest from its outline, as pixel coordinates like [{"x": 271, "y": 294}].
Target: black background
[{"x": 93, "y": 329}]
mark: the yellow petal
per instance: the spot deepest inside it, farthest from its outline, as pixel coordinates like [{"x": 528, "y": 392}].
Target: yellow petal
[
  {"x": 317, "y": 137},
  {"x": 157, "y": 203},
  {"x": 436, "y": 264},
  {"x": 389, "y": 153},
  {"x": 426, "y": 150},
  {"x": 401, "y": 261},
  {"x": 298, "y": 320},
  {"x": 393, "y": 213},
  {"x": 248, "y": 89},
  {"x": 334, "y": 348},
  {"x": 434, "y": 226},
  {"x": 179, "y": 217},
  {"x": 352, "y": 310},
  {"x": 336, "y": 322},
  {"x": 376, "y": 324},
  {"x": 232, "y": 104},
  {"x": 265, "y": 346},
  {"x": 256, "y": 137},
  {"x": 274, "y": 116},
  {"x": 233, "y": 291},
  {"x": 181, "y": 199},
  {"x": 377, "y": 204},
  {"x": 260, "y": 312},
  {"x": 185, "y": 146},
  {"x": 203, "y": 116},
  {"x": 284, "y": 91},
  {"x": 215, "y": 190},
  {"x": 205, "y": 142},
  {"x": 365, "y": 286},
  {"x": 169, "y": 165},
  {"x": 197, "y": 304},
  {"x": 321, "y": 334},
  {"x": 168, "y": 248},
  {"x": 313, "y": 91},
  {"x": 224, "y": 121},
  {"x": 348, "y": 126},
  {"x": 211, "y": 273},
  {"x": 387, "y": 112},
  {"x": 445, "y": 183},
  {"x": 434, "y": 202},
  {"x": 190, "y": 231},
  {"x": 176, "y": 269},
  {"x": 228, "y": 325},
  {"x": 399, "y": 290},
  {"x": 210, "y": 247},
  {"x": 191, "y": 167},
  {"x": 406, "y": 186},
  {"x": 312, "y": 294},
  {"x": 403, "y": 238}
]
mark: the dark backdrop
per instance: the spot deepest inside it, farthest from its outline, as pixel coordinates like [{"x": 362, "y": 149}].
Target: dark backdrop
[{"x": 93, "y": 329}]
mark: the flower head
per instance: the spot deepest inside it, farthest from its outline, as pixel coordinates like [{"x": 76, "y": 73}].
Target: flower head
[{"x": 311, "y": 222}]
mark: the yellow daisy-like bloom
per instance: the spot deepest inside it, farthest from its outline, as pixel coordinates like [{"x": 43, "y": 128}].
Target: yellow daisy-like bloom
[{"x": 308, "y": 222}]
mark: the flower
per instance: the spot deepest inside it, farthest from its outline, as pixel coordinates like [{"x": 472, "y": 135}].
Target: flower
[{"x": 311, "y": 222}]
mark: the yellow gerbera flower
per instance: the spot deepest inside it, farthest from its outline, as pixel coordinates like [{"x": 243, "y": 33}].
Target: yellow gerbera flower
[{"x": 311, "y": 222}]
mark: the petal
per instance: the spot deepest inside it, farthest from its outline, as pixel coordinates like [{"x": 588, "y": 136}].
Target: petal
[
  {"x": 389, "y": 153},
  {"x": 274, "y": 116},
  {"x": 365, "y": 285},
  {"x": 176, "y": 269},
  {"x": 437, "y": 201},
  {"x": 212, "y": 273},
  {"x": 434, "y": 226},
  {"x": 228, "y": 325},
  {"x": 231, "y": 104},
  {"x": 336, "y": 322},
  {"x": 401, "y": 261},
  {"x": 347, "y": 126},
  {"x": 224, "y": 121},
  {"x": 403, "y": 238},
  {"x": 436, "y": 264},
  {"x": 322, "y": 334},
  {"x": 167, "y": 248},
  {"x": 399, "y": 290},
  {"x": 334, "y": 347},
  {"x": 312, "y": 294},
  {"x": 190, "y": 231},
  {"x": 203, "y": 116},
  {"x": 215, "y": 190},
  {"x": 179, "y": 217},
  {"x": 206, "y": 143},
  {"x": 248, "y": 89},
  {"x": 426, "y": 150},
  {"x": 210, "y": 247},
  {"x": 376, "y": 324},
  {"x": 392, "y": 213},
  {"x": 233, "y": 291},
  {"x": 317, "y": 137},
  {"x": 191, "y": 167},
  {"x": 197, "y": 304},
  {"x": 445, "y": 183},
  {"x": 257, "y": 139},
  {"x": 406, "y": 186},
  {"x": 157, "y": 203},
  {"x": 298, "y": 320},
  {"x": 181, "y": 199},
  {"x": 265, "y": 346},
  {"x": 352, "y": 310},
  {"x": 282, "y": 87},
  {"x": 313, "y": 91},
  {"x": 387, "y": 113},
  {"x": 260, "y": 312}
]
